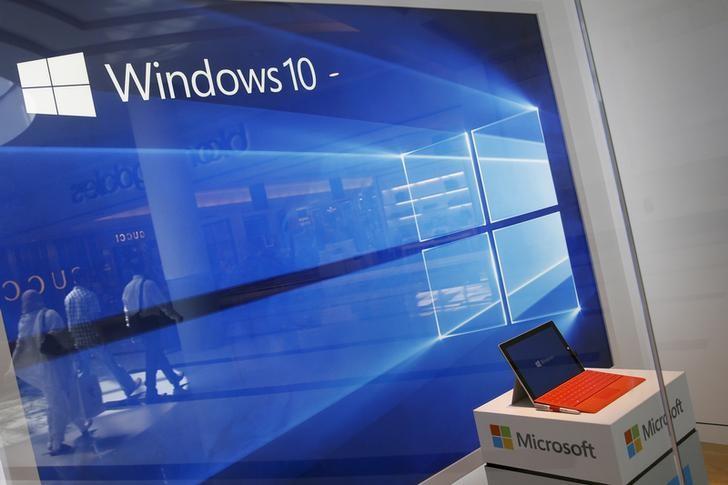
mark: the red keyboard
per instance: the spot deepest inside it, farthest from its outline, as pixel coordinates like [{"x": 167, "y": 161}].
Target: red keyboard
[{"x": 578, "y": 389}]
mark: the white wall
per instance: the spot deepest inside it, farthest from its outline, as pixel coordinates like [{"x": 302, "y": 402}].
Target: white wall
[{"x": 663, "y": 68}]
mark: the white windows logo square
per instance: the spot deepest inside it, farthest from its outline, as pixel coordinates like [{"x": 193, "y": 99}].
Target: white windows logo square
[{"x": 57, "y": 86}]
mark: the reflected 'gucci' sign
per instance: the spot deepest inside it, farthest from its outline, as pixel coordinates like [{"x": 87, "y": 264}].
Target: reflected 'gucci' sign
[
  {"x": 122, "y": 237},
  {"x": 12, "y": 289}
]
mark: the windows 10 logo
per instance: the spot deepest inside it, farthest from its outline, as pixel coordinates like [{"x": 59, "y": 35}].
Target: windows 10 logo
[{"x": 57, "y": 86}]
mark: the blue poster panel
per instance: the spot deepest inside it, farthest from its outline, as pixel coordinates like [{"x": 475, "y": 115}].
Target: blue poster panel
[{"x": 277, "y": 243}]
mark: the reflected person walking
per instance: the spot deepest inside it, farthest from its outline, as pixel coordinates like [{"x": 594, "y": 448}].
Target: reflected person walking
[
  {"x": 45, "y": 367},
  {"x": 82, "y": 309},
  {"x": 147, "y": 312}
]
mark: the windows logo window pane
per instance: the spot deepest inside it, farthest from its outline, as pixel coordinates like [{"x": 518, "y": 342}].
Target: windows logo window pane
[
  {"x": 34, "y": 74},
  {"x": 74, "y": 101},
  {"x": 464, "y": 286},
  {"x": 57, "y": 85},
  {"x": 514, "y": 166},
  {"x": 536, "y": 268},
  {"x": 443, "y": 188},
  {"x": 39, "y": 101},
  {"x": 68, "y": 70}
]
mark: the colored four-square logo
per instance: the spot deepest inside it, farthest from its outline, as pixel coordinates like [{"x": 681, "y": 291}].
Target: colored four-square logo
[
  {"x": 501, "y": 436},
  {"x": 686, "y": 474},
  {"x": 633, "y": 441}
]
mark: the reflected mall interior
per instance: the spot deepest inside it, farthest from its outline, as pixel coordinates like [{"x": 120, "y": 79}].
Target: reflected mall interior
[{"x": 265, "y": 242}]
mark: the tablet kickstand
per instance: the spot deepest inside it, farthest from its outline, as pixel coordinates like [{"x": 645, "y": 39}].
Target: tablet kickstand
[{"x": 520, "y": 397}]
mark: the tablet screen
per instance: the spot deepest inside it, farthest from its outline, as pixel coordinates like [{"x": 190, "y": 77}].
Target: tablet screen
[{"x": 542, "y": 359}]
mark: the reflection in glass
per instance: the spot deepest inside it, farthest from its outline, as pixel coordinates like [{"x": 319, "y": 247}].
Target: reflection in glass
[{"x": 443, "y": 189}]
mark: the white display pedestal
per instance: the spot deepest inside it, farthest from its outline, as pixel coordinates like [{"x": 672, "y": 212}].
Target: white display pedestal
[{"x": 626, "y": 442}]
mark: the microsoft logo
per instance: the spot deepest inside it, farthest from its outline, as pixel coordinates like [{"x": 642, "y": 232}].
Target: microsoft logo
[
  {"x": 501, "y": 436},
  {"x": 503, "y": 439},
  {"x": 57, "y": 86},
  {"x": 633, "y": 441}
]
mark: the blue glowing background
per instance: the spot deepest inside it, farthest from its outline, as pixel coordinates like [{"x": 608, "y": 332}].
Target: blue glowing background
[{"x": 347, "y": 259}]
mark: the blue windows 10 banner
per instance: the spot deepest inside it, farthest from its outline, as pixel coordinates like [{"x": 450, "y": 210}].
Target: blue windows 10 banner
[{"x": 276, "y": 242}]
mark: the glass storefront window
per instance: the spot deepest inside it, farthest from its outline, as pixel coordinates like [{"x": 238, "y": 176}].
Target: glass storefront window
[{"x": 268, "y": 224}]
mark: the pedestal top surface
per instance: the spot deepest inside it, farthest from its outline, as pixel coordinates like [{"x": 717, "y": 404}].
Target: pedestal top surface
[{"x": 607, "y": 416}]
